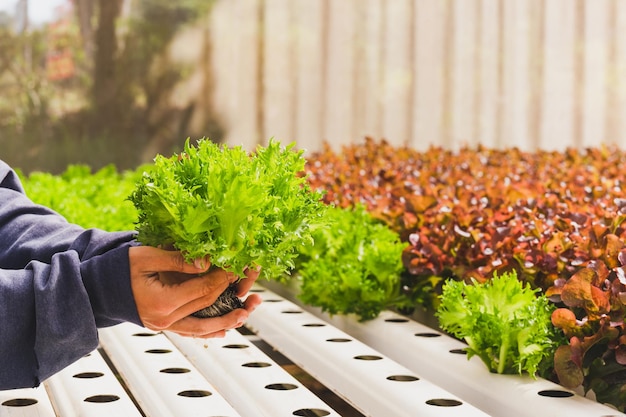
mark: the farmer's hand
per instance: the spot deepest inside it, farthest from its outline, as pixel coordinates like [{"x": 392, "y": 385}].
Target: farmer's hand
[{"x": 168, "y": 307}]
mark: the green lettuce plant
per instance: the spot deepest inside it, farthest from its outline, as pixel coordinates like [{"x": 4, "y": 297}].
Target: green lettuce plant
[
  {"x": 354, "y": 267},
  {"x": 242, "y": 210},
  {"x": 89, "y": 199},
  {"x": 504, "y": 322}
]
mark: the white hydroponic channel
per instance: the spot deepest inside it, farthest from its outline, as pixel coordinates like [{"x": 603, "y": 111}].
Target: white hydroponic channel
[{"x": 391, "y": 366}]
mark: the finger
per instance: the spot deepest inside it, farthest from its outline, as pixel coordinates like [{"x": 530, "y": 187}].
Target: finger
[
  {"x": 184, "y": 298},
  {"x": 244, "y": 285},
  {"x": 252, "y": 302},
  {"x": 214, "y": 335},
  {"x": 199, "y": 292},
  {"x": 193, "y": 326}
]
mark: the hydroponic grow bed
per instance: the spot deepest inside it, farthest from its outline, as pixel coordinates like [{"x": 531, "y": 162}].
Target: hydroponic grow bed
[{"x": 366, "y": 364}]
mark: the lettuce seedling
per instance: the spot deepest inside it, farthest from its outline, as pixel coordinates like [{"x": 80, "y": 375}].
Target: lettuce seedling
[
  {"x": 504, "y": 322},
  {"x": 242, "y": 210}
]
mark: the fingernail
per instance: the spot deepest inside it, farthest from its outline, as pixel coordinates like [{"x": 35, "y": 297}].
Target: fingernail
[{"x": 199, "y": 263}]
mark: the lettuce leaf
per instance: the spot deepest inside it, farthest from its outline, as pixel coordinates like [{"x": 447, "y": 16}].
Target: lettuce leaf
[{"x": 243, "y": 210}]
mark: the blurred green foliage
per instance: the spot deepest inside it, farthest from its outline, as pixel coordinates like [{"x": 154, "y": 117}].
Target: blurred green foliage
[{"x": 91, "y": 199}]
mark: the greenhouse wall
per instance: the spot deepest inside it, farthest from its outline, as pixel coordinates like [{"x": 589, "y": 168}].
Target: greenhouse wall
[{"x": 526, "y": 73}]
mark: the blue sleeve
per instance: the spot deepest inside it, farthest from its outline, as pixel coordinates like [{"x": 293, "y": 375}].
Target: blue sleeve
[{"x": 58, "y": 284}]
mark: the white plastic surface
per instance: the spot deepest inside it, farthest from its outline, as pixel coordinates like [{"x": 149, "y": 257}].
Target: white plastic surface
[
  {"x": 162, "y": 380},
  {"x": 370, "y": 381},
  {"x": 431, "y": 353},
  {"x": 25, "y": 402},
  {"x": 497, "y": 394},
  {"x": 88, "y": 388},
  {"x": 251, "y": 381}
]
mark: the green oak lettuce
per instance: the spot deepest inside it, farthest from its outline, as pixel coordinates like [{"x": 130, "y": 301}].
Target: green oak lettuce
[
  {"x": 504, "y": 322},
  {"x": 241, "y": 209}
]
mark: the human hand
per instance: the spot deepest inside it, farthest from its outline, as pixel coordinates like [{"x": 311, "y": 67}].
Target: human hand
[{"x": 164, "y": 306}]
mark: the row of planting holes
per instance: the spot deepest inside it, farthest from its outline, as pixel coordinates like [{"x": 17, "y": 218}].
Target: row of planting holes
[
  {"x": 305, "y": 412},
  {"x": 106, "y": 398},
  {"x": 440, "y": 402}
]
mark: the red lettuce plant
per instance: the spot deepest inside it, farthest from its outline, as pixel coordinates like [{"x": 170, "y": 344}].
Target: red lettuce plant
[{"x": 553, "y": 217}]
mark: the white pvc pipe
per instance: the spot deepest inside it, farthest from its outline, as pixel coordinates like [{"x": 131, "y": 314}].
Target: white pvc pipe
[
  {"x": 370, "y": 381},
  {"x": 88, "y": 387},
  {"x": 25, "y": 402},
  {"x": 252, "y": 382},
  {"x": 428, "y": 352},
  {"x": 162, "y": 380}
]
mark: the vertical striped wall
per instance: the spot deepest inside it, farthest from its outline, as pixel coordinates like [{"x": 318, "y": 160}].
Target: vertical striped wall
[{"x": 546, "y": 74}]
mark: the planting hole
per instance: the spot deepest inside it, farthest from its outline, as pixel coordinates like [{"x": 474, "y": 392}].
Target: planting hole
[
  {"x": 310, "y": 412},
  {"x": 281, "y": 387},
  {"x": 194, "y": 393},
  {"x": 427, "y": 334},
  {"x": 235, "y": 346},
  {"x": 403, "y": 378},
  {"x": 555, "y": 393},
  {"x": 444, "y": 402},
  {"x": 339, "y": 340},
  {"x": 368, "y": 357},
  {"x": 145, "y": 334},
  {"x": 158, "y": 351},
  {"x": 272, "y": 300},
  {"x": 20, "y": 402},
  {"x": 88, "y": 375},
  {"x": 175, "y": 370},
  {"x": 458, "y": 351},
  {"x": 314, "y": 325},
  {"x": 256, "y": 364},
  {"x": 102, "y": 398},
  {"x": 291, "y": 311},
  {"x": 398, "y": 320}
]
